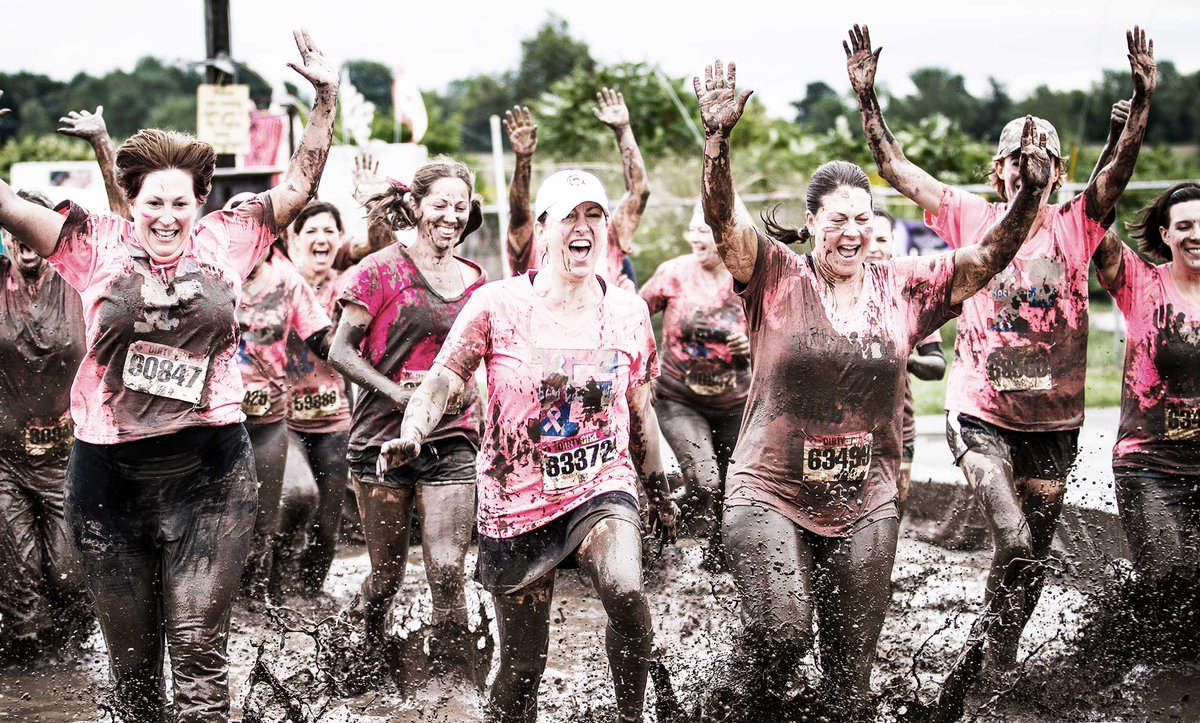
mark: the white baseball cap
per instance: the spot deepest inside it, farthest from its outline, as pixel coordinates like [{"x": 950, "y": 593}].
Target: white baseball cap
[{"x": 560, "y": 193}]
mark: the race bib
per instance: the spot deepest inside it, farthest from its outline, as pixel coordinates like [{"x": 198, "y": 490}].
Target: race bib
[
  {"x": 1182, "y": 419},
  {"x": 315, "y": 403},
  {"x": 1022, "y": 369},
  {"x": 709, "y": 382},
  {"x": 40, "y": 440},
  {"x": 572, "y": 461},
  {"x": 837, "y": 458},
  {"x": 409, "y": 381},
  {"x": 257, "y": 402},
  {"x": 164, "y": 371}
]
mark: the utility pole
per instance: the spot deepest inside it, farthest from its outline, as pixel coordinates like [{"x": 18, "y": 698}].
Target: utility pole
[{"x": 219, "y": 54}]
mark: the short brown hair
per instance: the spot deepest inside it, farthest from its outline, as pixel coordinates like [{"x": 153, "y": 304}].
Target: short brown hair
[{"x": 151, "y": 150}]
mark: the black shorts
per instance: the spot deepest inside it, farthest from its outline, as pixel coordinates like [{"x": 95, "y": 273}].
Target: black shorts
[
  {"x": 442, "y": 462},
  {"x": 508, "y": 565},
  {"x": 1036, "y": 455}
]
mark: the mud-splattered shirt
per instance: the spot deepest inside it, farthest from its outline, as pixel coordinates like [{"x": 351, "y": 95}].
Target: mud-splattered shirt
[
  {"x": 161, "y": 343},
  {"x": 409, "y": 324},
  {"x": 608, "y": 265},
  {"x": 281, "y": 303},
  {"x": 699, "y": 317},
  {"x": 908, "y": 426},
  {"x": 557, "y": 419},
  {"x": 1021, "y": 351},
  {"x": 1160, "y": 395},
  {"x": 317, "y": 401},
  {"x": 41, "y": 345},
  {"x": 820, "y": 440}
]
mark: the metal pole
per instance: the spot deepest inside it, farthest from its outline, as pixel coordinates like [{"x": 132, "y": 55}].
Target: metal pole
[
  {"x": 501, "y": 192},
  {"x": 687, "y": 118},
  {"x": 216, "y": 42}
]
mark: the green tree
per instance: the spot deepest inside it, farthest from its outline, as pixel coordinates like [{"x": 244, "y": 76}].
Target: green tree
[
  {"x": 568, "y": 129},
  {"x": 820, "y": 107},
  {"x": 549, "y": 55},
  {"x": 374, "y": 81},
  {"x": 42, "y": 148}
]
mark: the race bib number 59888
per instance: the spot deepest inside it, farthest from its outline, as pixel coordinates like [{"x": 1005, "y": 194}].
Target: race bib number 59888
[{"x": 165, "y": 371}]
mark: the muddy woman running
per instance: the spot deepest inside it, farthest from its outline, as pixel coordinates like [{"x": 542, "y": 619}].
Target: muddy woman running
[
  {"x": 810, "y": 510},
  {"x": 1156, "y": 460},
  {"x": 1015, "y": 394},
  {"x": 569, "y": 431},
  {"x": 397, "y": 306},
  {"x": 160, "y": 486}
]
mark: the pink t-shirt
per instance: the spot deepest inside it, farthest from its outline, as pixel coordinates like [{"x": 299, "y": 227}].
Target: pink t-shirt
[
  {"x": 820, "y": 439},
  {"x": 317, "y": 391},
  {"x": 1021, "y": 351},
  {"x": 409, "y": 323},
  {"x": 1160, "y": 395},
  {"x": 608, "y": 265},
  {"x": 281, "y": 303},
  {"x": 699, "y": 316},
  {"x": 41, "y": 344},
  {"x": 160, "y": 348},
  {"x": 557, "y": 429}
]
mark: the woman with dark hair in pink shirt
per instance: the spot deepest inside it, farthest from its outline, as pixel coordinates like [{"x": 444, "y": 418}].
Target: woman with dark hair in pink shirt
[
  {"x": 810, "y": 510},
  {"x": 1156, "y": 460},
  {"x": 397, "y": 306},
  {"x": 160, "y": 486}
]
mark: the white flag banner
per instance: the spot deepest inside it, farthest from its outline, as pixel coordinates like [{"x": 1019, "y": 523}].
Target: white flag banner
[
  {"x": 408, "y": 104},
  {"x": 358, "y": 113}
]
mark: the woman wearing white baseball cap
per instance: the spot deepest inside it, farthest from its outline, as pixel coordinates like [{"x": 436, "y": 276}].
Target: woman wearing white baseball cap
[
  {"x": 1015, "y": 395},
  {"x": 569, "y": 431}
]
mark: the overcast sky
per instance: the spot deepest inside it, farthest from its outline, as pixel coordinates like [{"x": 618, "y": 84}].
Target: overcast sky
[{"x": 779, "y": 46}]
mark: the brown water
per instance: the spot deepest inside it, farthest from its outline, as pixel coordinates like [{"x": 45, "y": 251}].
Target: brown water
[{"x": 934, "y": 604}]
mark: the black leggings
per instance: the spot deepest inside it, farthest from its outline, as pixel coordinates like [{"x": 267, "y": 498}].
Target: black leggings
[
  {"x": 703, "y": 440},
  {"x": 326, "y": 456},
  {"x": 786, "y": 573},
  {"x": 1161, "y": 517},
  {"x": 269, "y": 442},
  {"x": 163, "y": 527}
]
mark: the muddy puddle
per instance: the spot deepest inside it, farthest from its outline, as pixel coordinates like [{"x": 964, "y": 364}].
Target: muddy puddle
[{"x": 935, "y": 600}]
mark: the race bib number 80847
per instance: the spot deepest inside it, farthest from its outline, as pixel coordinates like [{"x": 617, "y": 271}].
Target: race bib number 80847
[{"x": 164, "y": 371}]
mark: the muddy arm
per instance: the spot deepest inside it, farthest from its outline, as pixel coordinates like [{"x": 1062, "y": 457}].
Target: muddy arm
[
  {"x": 344, "y": 356},
  {"x": 904, "y": 175},
  {"x": 37, "y": 226},
  {"x": 720, "y": 109},
  {"x": 645, "y": 451},
  {"x": 91, "y": 128},
  {"x": 975, "y": 265},
  {"x": 522, "y": 136},
  {"x": 304, "y": 172},
  {"x": 612, "y": 112}
]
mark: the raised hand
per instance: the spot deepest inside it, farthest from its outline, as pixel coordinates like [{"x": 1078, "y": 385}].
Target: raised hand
[
  {"x": 84, "y": 125},
  {"x": 720, "y": 104},
  {"x": 365, "y": 176},
  {"x": 316, "y": 68},
  {"x": 1141, "y": 62},
  {"x": 861, "y": 61},
  {"x": 521, "y": 130},
  {"x": 610, "y": 108},
  {"x": 1035, "y": 161},
  {"x": 394, "y": 453}
]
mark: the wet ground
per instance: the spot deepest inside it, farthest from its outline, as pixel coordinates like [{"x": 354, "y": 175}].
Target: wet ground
[{"x": 934, "y": 603}]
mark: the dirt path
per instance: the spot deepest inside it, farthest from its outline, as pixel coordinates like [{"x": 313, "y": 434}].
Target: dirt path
[{"x": 934, "y": 604}]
